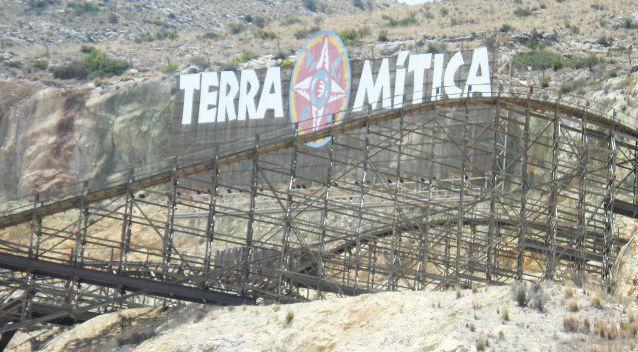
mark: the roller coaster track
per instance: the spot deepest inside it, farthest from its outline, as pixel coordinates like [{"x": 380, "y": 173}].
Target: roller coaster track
[{"x": 546, "y": 208}]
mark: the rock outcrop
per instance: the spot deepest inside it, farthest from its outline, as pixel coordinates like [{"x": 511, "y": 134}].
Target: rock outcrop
[{"x": 51, "y": 138}]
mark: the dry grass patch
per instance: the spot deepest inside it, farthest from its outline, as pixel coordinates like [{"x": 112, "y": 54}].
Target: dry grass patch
[
  {"x": 596, "y": 302},
  {"x": 288, "y": 319},
  {"x": 505, "y": 314},
  {"x": 573, "y": 306},
  {"x": 570, "y": 323},
  {"x": 482, "y": 343}
]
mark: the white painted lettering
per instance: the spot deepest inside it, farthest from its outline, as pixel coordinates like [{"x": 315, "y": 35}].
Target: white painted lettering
[
  {"x": 208, "y": 98},
  {"x": 228, "y": 88},
  {"x": 399, "y": 79},
  {"x": 419, "y": 64},
  {"x": 271, "y": 98},
  {"x": 451, "y": 89},
  {"x": 437, "y": 77},
  {"x": 248, "y": 89},
  {"x": 374, "y": 89},
  {"x": 479, "y": 84},
  {"x": 188, "y": 83}
]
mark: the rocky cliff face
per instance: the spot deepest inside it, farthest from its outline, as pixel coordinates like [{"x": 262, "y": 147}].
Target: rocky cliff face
[{"x": 50, "y": 138}]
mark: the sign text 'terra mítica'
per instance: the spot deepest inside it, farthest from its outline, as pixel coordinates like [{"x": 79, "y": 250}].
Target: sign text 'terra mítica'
[{"x": 320, "y": 85}]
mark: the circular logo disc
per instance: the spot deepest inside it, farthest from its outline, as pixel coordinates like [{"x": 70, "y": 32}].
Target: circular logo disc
[{"x": 320, "y": 85}]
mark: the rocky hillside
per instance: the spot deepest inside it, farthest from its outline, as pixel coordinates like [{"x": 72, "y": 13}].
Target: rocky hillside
[
  {"x": 60, "y": 22},
  {"x": 534, "y": 318},
  {"x": 62, "y": 119}
]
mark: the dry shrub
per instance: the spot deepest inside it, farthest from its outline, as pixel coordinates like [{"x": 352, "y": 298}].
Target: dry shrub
[
  {"x": 519, "y": 291},
  {"x": 569, "y": 292},
  {"x": 612, "y": 332},
  {"x": 289, "y": 317},
  {"x": 482, "y": 343},
  {"x": 570, "y": 323},
  {"x": 505, "y": 314},
  {"x": 573, "y": 305},
  {"x": 201, "y": 314},
  {"x": 596, "y": 301},
  {"x": 537, "y": 298},
  {"x": 586, "y": 325},
  {"x": 600, "y": 329}
]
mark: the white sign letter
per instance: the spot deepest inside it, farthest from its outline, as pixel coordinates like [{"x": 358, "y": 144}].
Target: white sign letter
[
  {"x": 271, "y": 98},
  {"x": 207, "y": 98},
  {"x": 399, "y": 79},
  {"x": 228, "y": 88},
  {"x": 419, "y": 63},
  {"x": 368, "y": 87},
  {"x": 188, "y": 83},
  {"x": 451, "y": 90},
  {"x": 479, "y": 84},
  {"x": 248, "y": 89},
  {"x": 437, "y": 77}
]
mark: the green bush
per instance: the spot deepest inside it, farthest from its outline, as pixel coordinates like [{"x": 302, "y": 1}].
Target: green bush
[
  {"x": 291, "y": 20},
  {"x": 605, "y": 41},
  {"x": 436, "y": 48},
  {"x": 83, "y": 7},
  {"x": 539, "y": 60},
  {"x": 403, "y": 22},
  {"x": 506, "y": 28},
  {"x": 40, "y": 64},
  {"x": 311, "y": 5},
  {"x": 383, "y": 37},
  {"x": 259, "y": 22},
  {"x": 75, "y": 69},
  {"x": 170, "y": 68},
  {"x": 13, "y": 64},
  {"x": 39, "y": 5},
  {"x": 352, "y": 36},
  {"x": 571, "y": 86},
  {"x": 301, "y": 33},
  {"x": 523, "y": 12},
  {"x": 210, "y": 35},
  {"x": 200, "y": 61},
  {"x": 161, "y": 35},
  {"x": 245, "y": 57},
  {"x": 628, "y": 23},
  {"x": 92, "y": 65},
  {"x": 267, "y": 35},
  {"x": 236, "y": 28},
  {"x": 589, "y": 61},
  {"x": 358, "y": 4},
  {"x": 305, "y": 33}
]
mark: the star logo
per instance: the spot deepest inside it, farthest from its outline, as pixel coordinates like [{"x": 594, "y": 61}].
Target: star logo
[{"x": 320, "y": 85}]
